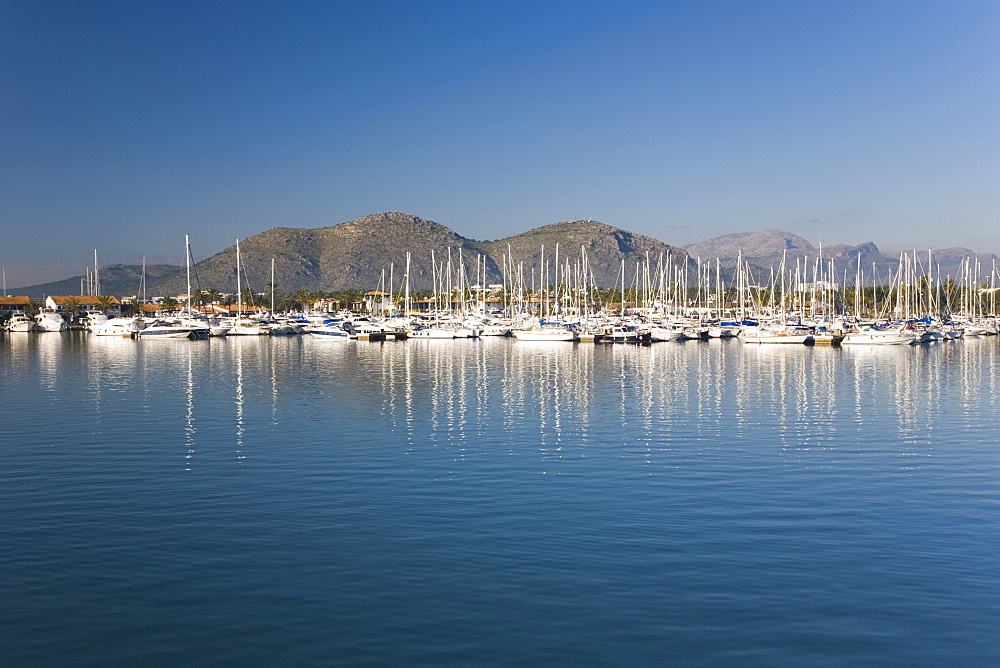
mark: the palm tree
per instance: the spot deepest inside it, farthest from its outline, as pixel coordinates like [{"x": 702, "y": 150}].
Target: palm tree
[
  {"x": 32, "y": 308},
  {"x": 249, "y": 298},
  {"x": 105, "y": 303},
  {"x": 271, "y": 294},
  {"x": 303, "y": 298},
  {"x": 70, "y": 309},
  {"x": 133, "y": 307},
  {"x": 348, "y": 297},
  {"x": 210, "y": 296},
  {"x": 168, "y": 304}
]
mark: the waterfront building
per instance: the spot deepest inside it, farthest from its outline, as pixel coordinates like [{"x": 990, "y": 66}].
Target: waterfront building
[{"x": 84, "y": 303}]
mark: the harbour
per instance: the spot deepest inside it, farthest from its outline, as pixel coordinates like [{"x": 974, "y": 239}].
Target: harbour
[{"x": 500, "y": 334}]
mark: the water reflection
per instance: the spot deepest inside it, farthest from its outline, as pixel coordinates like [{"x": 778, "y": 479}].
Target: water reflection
[
  {"x": 547, "y": 385},
  {"x": 677, "y": 403},
  {"x": 662, "y": 406},
  {"x": 48, "y": 346},
  {"x": 237, "y": 344},
  {"x": 189, "y": 429},
  {"x": 923, "y": 393}
]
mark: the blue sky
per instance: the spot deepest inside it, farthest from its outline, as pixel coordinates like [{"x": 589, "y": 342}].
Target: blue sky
[{"x": 128, "y": 124}]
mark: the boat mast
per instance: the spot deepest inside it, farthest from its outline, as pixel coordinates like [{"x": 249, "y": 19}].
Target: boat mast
[
  {"x": 555, "y": 285},
  {"x": 187, "y": 262},
  {"x": 857, "y": 290},
  {"x": 406, "y": 297},
  {"x": 239, "y": 285},
  {"x": 740, "y": 280}
]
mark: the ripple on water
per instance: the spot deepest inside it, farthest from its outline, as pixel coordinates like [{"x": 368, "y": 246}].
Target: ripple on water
[{"x": 497, "y": 502}]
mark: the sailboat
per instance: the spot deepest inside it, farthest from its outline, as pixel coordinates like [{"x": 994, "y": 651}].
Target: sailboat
[
  {"x": 241, "y": 325},
  {"x": 181, "y": 329},
  {"x": 199, "y": 321},
  {"x": 875, "y": 336}
]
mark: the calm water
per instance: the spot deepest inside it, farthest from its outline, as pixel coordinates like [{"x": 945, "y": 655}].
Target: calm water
[{"x": 273, "y": 500}]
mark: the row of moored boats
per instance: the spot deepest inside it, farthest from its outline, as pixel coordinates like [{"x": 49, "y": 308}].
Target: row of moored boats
[{"x": 346, "y": 326}]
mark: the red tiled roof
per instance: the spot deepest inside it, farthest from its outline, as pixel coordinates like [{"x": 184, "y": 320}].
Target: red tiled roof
[
  {"x": 81, "y": 299},
  {"x": 14, "y": 301}
]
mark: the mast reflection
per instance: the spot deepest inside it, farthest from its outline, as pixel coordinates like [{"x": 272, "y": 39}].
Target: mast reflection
[
  {"x": 238, "y": 398},
  {"x": 189, "y": 428}
]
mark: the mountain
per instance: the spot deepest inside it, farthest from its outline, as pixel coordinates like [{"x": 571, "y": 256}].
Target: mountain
[
  {"x": 951, "y": 262},
  {"x": 347, "y": 256},
  {"x": 116, "y": 279},
  {"x": 751, "y": 244},
  {"x": 364, "y": 254},
  {"x": 355, "y": 254},
  {"x": 605, "y": 247},
  {"x": 766, "y": 250}
]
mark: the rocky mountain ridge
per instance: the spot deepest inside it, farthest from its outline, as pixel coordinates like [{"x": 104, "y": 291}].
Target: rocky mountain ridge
[
  {"x": 371, "y": 253},
  {"x": 767, "y": 249}
]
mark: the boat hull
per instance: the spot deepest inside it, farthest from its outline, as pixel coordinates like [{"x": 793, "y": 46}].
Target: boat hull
[
  {"x": 800, "y": 339},
  {"x": 167, "y": 332},
  {"x": 544, "y": 335},
  {"x": 878, "y": 339},
  {"x": 330, "y": 334}
]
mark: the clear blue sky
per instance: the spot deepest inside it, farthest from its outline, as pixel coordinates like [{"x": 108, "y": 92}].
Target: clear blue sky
[{"x": 127, "y": 124}]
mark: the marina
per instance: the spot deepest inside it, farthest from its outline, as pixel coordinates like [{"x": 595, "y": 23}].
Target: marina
[
  {"x": 669, "y": 298},
  {"x": 635, "y": 328},
  {"x": 640, "y": 334}
]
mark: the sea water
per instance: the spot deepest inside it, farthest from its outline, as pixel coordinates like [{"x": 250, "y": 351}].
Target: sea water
[{"x": 286, "y": 500}]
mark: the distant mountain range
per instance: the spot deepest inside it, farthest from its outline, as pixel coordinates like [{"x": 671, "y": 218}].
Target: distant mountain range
[
  {"x": 767, "y": 249},
  {"x": 361, "y": 254},
  {"x": 365, "y": 253},
  {"x": 116, "y": 279}
]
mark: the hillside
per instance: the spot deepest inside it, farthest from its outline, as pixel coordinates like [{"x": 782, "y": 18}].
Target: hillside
[
  {"x": 605, "y": 247},
  {"x": 116, "y": 279},
  {"x": 347, "y": 256},
  {"x": 361, "y": 254},
  {"x": 765, "y": 250},
  {"x": 355, "y": 254},
  {"x": 751, "y": 244}
]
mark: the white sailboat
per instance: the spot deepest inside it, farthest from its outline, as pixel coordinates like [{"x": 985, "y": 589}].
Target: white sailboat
[
  {"x": 185, "y": 328},
  {"x": 199, "y": 321},
  {"x": 243, "y": 325},
  {"x": 545, "y": 333},
  {"x": 873, "y": 336},
  {"x": 776, "y": 334}
]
